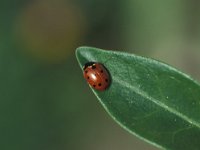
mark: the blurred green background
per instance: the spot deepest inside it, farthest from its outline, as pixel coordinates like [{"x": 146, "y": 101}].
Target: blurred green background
[{"x": 45, "y": 104}]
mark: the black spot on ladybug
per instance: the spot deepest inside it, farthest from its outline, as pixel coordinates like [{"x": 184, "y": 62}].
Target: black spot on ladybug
[
  {"x": 94, "y": 85},
  {"x": 88, "y": 77},
  {"x": 106, "y": 80},
  {"x": 93, "y": 67},
  {"x": 99, "y": 84},
  {"x": 86, "y": 71},
  {"x": 101, "y": 71}
]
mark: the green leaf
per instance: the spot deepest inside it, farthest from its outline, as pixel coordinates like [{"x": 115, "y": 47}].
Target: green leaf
[{"x": 150, "y": 99}]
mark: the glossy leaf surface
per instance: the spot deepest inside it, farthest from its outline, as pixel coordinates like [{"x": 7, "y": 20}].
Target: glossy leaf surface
[{"x": 150, "y": 99}]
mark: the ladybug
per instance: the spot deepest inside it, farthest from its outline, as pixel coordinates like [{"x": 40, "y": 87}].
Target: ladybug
[{"x": 96, "y": 75}]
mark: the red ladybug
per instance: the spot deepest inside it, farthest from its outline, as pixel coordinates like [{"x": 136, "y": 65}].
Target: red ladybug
[{"x": 96, "y": 75}]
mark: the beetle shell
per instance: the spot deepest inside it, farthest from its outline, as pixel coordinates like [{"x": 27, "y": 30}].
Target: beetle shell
[{"x": 96, "y": 75}]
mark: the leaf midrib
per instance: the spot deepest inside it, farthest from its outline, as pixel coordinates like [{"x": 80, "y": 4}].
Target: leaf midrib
[{"x": 155, "y": 101}]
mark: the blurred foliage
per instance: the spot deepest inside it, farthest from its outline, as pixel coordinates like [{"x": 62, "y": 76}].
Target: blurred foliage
[{"x": 45, "y": 103}]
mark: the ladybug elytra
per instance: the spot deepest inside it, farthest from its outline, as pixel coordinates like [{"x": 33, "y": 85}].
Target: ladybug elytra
[{"x": 96, "y": 75}]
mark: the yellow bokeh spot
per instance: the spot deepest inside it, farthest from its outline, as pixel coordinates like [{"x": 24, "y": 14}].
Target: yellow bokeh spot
[{"x": 50, "y": 30}]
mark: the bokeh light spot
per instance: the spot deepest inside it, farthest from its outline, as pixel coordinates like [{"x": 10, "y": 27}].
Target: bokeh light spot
[{"x": 50, "y": 30}]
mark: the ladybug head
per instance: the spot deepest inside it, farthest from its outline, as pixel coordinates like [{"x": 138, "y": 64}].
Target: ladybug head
[{"x": 88, "y": 64}]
